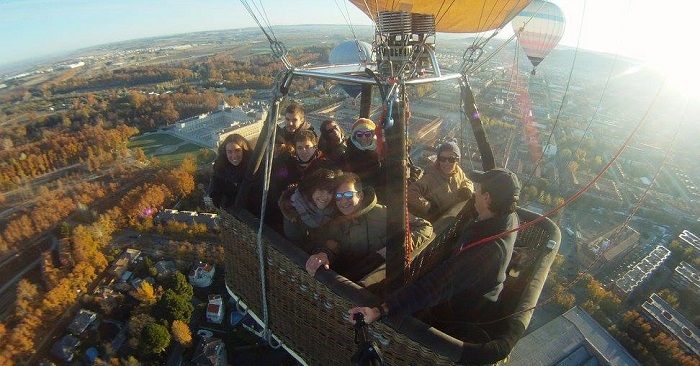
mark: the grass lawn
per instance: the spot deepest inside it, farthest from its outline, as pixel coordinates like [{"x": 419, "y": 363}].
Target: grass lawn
[
  {"x": 151, "y": 143},
  {"x": 177, "y": 156}
]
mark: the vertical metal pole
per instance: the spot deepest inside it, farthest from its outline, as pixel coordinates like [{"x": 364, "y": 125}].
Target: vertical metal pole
[
  {"x": 365, "y": 100},
  {"x": 396, "y": 164}
]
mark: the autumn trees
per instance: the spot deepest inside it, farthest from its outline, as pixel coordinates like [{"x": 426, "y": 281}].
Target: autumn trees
[
  {"x": 61, "y": 151},
  {"x": 163, "y": 313},
  {"x": 649, "y": 345}
]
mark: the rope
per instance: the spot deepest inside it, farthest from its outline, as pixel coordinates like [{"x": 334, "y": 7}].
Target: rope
[
  {"x": 600, "y": 255},
  {"x": 407, "y": 216},
  {"x": 260, "y": 247},
  {"x": 566, "y": 92},
  {"x": 278, "y": 49},
  {"x": 347, "y": 18},
  {"x": 577, "y": 194},
  {"x": 653, "y": 179},
  {"x": 627, "y": 220},
  {"x": 479, "y": 43},
  {"x": 267, "y": 173}
]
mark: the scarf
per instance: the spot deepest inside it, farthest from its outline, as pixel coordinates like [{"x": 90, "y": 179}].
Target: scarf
[
  {"x": 372, "y": 146},
  {"x": 309, "y": 213}
]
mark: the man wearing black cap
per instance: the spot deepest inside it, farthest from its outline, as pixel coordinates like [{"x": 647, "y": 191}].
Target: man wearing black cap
[{"x": 467, "y": 277}]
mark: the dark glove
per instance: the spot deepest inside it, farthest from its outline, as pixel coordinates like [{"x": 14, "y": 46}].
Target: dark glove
[
  {"x": 433, "y": 211},
  {"x": 464, "y": 193}
]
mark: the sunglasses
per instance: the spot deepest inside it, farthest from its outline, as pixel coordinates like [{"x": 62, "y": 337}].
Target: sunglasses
[
  {"x": 349, "y": 195},
  {"x": 450, "y": 159},
  {"x": 331, "y": 129},
  {"x": 364, "y": 133}
]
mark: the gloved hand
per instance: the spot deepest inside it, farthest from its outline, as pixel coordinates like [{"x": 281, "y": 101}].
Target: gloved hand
[
  {"x": 433, "y": 211},
  {"x": 464, "y": 193}
]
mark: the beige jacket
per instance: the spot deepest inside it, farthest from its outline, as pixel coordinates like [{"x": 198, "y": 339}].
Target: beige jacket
[{"x": 434, "y": 194}]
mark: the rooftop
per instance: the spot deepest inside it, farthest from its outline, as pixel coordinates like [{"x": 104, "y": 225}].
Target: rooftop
[{"x": 573, "y": 338}]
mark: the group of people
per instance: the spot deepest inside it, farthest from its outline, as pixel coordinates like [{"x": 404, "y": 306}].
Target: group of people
[{"x": 323, "y": 197}]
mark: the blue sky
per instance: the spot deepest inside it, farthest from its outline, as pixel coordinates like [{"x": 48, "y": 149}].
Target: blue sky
[{"x": 640, "y": 29}]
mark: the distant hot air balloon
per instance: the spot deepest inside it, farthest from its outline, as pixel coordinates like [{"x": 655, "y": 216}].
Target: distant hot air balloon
[
  {"x": 539, "y": 27},
  {"x": 351, "y": 52}
]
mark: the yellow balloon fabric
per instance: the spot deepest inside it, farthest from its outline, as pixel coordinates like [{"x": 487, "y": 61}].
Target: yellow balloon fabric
[{"x": 452, "y": 16}]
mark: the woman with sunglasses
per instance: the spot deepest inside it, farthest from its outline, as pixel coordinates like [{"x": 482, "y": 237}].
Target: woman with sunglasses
[
  {"x": 361, "y": 155},
  {"x": 355, "y": 241},
  {"x": 442, "y": 186},
  {"x": 308, "y": 206}
]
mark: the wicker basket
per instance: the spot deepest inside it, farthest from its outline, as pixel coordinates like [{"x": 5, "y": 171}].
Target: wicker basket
[{"x": 309, "y": 314}]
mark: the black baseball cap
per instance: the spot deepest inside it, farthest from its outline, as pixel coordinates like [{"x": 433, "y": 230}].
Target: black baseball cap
[{"x": 502, "y": 182}]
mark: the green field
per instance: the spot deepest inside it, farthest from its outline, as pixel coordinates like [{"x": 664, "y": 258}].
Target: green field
[{"x": 151, "y": 143}]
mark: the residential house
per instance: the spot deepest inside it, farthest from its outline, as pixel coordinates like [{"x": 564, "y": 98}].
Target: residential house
[
  {"x": 81, "y": 322},
  {"x": 202, "y": 274},
  {"x": 210, "y": 352}
]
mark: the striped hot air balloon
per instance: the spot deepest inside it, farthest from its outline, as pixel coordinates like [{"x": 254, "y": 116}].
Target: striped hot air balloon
[{"x": 539, "y": 27}]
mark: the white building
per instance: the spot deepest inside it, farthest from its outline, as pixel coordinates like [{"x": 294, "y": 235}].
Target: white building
[
  {"x": 208, "y": 129},
  {"x": 202, "y": 274},
  {"x": 215, "y": 309}
]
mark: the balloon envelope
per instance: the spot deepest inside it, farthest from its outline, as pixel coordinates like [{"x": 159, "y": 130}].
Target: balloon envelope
[
  {"x": 460, "y": 16},
  {"x": 539, "y": 27},
  {"x": 351, "y": 52}
]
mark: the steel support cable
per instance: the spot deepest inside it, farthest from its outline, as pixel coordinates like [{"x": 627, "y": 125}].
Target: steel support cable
[
  {"x": 282, "y": 79},
  {"x": 438, "y": 16},
  {"x": 597, "y": 107},
  {"x": 278, "y": 49},
  {"x": 252, "y": 13},
  {"x": 371, "y": 16},
  {"x": 514, "y": 83},
  {"x": 651, "y": 184},
  {"x": 266, "y": 185},
  {"x": 566, "y": 203},
  {"x": 658, "y": 171},
  {"x": 566, "y": 92},
  {"x": 267, "y": 172},
  {"x": 494, "y": 53},
  {"x": 478, "y": 38},
  {"x": 347, "y": 19},
  {"x": 627, "y": 219},
  {"x": 479, "y": 43},
  {"x": 579, "y": 192}
]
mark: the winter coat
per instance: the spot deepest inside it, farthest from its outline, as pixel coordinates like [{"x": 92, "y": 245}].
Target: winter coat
[
  {"x": 287, "y": 170},
  {"x": 302, "y": 218},
  {"x": 334, "y": 152},
  {"x": 432, "y": 195},
  {"x": 454, "y": 286},
  {"x": 287, "y": 137},
  {"x": 366, "y": 164},
  {"x": 356, "y": 244},
  {"x": 224, "y": 183}
]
